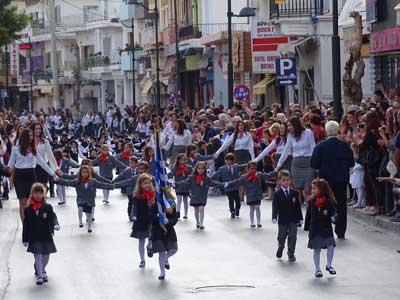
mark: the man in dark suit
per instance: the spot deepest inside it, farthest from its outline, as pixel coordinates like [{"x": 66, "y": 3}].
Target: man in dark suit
[{"x": 333, "y": 159}]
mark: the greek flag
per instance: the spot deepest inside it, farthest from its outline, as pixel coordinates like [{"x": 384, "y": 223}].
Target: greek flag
[{"x": 163, "y": 190}]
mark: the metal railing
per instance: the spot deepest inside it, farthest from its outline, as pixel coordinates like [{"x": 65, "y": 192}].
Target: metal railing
[
  {"x": 297, "y": 8},
  {"x": 212, "y": 28}
]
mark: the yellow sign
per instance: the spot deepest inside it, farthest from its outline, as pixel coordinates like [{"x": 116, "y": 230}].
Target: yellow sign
[{"x": 280, "y": 1}]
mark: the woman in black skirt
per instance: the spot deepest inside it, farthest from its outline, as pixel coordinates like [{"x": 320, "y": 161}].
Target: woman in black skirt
[
  {"x": 23, "y": 161},
  {"x": 321, "y": 210},
  {"x": 44, "y": 149}
]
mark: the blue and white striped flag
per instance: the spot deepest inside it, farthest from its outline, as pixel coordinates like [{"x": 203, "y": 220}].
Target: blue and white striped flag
[{"x": 163, "y": 194}]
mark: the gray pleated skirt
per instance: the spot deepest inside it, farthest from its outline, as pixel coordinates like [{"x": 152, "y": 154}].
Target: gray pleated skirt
[
  {"x": 242, "y": 156},
  {"x": 321, "y": 243},
  {"x": 302, "y": 173}
]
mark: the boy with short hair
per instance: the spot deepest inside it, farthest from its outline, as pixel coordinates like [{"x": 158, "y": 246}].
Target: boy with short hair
[
  {"x": 227, "y": 173},
  {"x": 286, "y": 210}
]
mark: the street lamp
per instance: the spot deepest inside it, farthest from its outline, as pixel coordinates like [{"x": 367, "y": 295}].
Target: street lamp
[
  {"x": 132, "y": 26},
  {"x": 155, "y": 10},
  {"x": 244, "y": 13}
]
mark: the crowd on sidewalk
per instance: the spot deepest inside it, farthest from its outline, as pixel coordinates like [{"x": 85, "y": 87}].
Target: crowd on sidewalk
[{"x": 291, "y": 155}]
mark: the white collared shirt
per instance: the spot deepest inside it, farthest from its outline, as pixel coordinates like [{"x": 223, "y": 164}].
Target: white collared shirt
[
  {"x": 302, "y": 147},
  {"x": 242, "y": 143},
  {"x": 29, "y": 161}
]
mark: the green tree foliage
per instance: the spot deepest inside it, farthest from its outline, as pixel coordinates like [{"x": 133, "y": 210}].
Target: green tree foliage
[{"x": 11, "y": 22}]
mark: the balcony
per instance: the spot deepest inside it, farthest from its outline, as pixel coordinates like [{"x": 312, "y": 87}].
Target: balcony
[
  {"x": 189, "y": 32},
  {"x": 213, "y": 28},
  {"x": 298, "y": 8},
  {"x": 99, "y": 62}
]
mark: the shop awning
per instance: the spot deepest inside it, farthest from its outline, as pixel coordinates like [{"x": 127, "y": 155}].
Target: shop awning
[
  {"x": 147, "y": 87},
  {"x": 47, "y": 89},
  {"x": 261, "y": 87},
  {"x": 292, "y": 45}
]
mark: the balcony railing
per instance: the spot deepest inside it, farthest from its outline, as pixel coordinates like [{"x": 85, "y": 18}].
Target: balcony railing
[
  {"x": 297, "y": 8},
  {"x": 213, "y": 28}
]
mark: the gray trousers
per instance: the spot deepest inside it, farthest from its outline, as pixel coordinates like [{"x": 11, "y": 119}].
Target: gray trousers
[{"x": 289, "y": 231}]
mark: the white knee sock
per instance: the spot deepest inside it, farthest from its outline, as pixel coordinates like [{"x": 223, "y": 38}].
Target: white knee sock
[
  {"x": 80, "y": 213},
  {"x": 251, "y": 214},
  {"x": 258, "y": 214},
  {"x": 329, "y": 256},
  {"x": 89, "y": 221},
  {"x": 201, "y": 215},
  {"x": 197, "y": 215},
  {"x": 141, "y": 249},
  {"x": 39, "y": 264},
  {"x": 317, "y": 254},
  {"x": 178, "y": 202},
  {"x": 162, "y": 257},
  {"x": 106, "y": 194},
  {"x": 185, "y": 205}
]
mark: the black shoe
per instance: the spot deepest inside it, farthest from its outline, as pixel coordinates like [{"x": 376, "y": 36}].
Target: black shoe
[
  {"x": 167, "y": 266},
  {"x": 61, "y": 203},
  {"x": 237, "y": 213},
  {"x": 161, "y": 277},
  {"x": 149, "y": 252},
  {"x": 52, "y": 195},
  {"x": 279, "y": 252},
  {"x": 89, "y": 231},
  {"x": 292, "y": 257},
  {"x": 232, "y": 215},
  {"x": 318, "y": 274},
  {"x": 178, "y": 214},
  {"x": 259, "y": 225},
  {"x": 253, "y": 226},
  {"x": 331, "y": 270},
  {"x": 198, "y": 226},
  {"x": 93, "y": 219},
  {"x": 202, "y": 227},
  {"x": 80, "y": 225},
  {"x": 39, "y": 281},
  {"x": 185, "y": 217}
]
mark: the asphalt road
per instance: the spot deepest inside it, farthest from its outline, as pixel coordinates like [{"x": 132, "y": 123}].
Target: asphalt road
[{"x": 239, "y": 261}]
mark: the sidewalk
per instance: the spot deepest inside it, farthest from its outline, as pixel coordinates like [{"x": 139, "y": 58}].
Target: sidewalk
[
  {"x": 381, "y": 222},
  {"x": 9, "y": 224}
]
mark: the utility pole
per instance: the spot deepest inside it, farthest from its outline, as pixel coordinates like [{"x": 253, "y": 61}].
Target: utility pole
[
  {"x": 336, "y": 78},
  {"x": 53, "y": 56},
  {"x": 77, "y": 96},
  {"x": 133, "y": 64},
  {"x": 158, "y": 87},
  {"x": 178, "y": 78},
  {"x": 30, "y": 77},
  {"x": 8, "y": 96},
  {"x": 230, "y": 59}
]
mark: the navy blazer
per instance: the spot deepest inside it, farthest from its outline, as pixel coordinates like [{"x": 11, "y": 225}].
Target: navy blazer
[
  {"x": 333, "y": 159},
  {"x": 286, "y": 210}
]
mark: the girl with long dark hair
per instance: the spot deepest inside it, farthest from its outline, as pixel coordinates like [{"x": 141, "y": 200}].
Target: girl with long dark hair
[{"x": 180, "y": 139}]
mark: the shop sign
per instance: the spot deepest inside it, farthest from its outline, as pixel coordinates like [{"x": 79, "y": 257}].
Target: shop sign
[
  {"x": 385, "y": 40},
  {"x": 14, "y": 60}
]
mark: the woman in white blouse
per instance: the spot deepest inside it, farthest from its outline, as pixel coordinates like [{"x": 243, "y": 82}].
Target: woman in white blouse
[
  {"x": 44, "y": 149},
  {"x": 242, "y": 143},
  {"x": 23, "y": 160},
  {"x": 180, "y": 139},
  {"x": 142, "y": 127},
  {"x": 301, "y": 143}
]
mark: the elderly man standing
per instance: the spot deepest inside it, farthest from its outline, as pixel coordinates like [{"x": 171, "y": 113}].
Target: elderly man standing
[{"x": 333, "y": 159}]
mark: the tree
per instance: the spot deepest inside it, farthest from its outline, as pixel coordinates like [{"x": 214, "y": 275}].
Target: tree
[
  {"x": 352, "y": 82},
  {"x": 11, "y": 22}
]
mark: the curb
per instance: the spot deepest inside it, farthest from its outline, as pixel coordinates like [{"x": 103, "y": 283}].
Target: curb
[{"x": 381, "y": 222}]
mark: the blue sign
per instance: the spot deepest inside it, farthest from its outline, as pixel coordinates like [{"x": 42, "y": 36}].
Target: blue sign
[
  {"x": 241, "y": 93},
  {"x": 286, "y": 73},
  {"x": 172, "y": 97}
]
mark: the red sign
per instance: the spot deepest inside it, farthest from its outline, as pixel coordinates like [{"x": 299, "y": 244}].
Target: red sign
[
  {"x": 385, "y": 40},
  {"x": 25, "y": 46}
]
